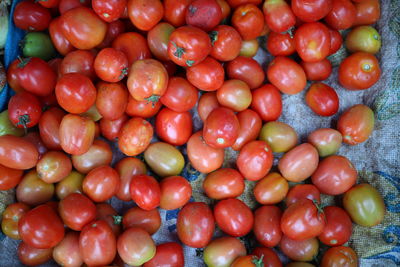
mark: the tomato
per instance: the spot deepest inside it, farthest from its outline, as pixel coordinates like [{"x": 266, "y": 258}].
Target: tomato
[
  {"x": 255, "y": 160},
  {"x": 312, "y": 41},
  {"x": 110, "y": 129},
  {"x": 67, "y": 251},
  {"x": 225, "y": 9},
  {"x": 83, "y": 28},
  {"x": 234, "y": 94},
  {"x": 66, "y": 5},
  {"x": 207, "y": 75},
  {"x": 356, "y": 124},
  {"x": 99, "y": 153},
  {"x": 286, "y": 75},
  {"x": 143, "y": 109},
  {"x": 188, "y": 46},
  {"x": 10, "y": 218},
  {"x": 359, "y": 71},
  {"x": 175, "y": 192},
  {"x": 327, "y": 141},
  {"x": 233, "y": 217},
  {"x": 248, "y": 20},
  {"x": 17, "y": 153},
  {"x": 249, "y": 260},
  {"x": 249, "y": 48},
  {"x": 76, "y": 134},
  {"x": 342, "y": 15},
  {"x": 7, "y": 127},
  {"x": 340, "y": 256},
  {"x": 203, "y": 14},
  {"x": 280, "y": 136},
  {"x": 148, "y": 220},
  {"x": 226, "y": 42},
  {"x": 267, "y": 102},
  {"x": 365, "y": 205},
  {"x": 37, "y": 44},
  {"x": 164, "y": 159},
  {"x": 223, "y": 183},
  {"x": 278, "y": 15},
  {"x": 280, "y": 44},
  {"x": 53, "y": 166},
  {"x": 41, "y": 227},
  {"x": 304, "y": 250},
  {"x": 195, "y": 224},
  {"x": 299, "y": 163},
  {"x": 247, "y": 70},
  {"x": 133, "y": 45},
  {"x": 112, "y": 100},
  {"x": 30, "y": 16},
  {"x": 221, "y": 252},
  {"x": 9, "y": 178},
  {"x": 114, "y": 29},
  {"x": 107, "y": 213},
  {"x": 145, "y": 191},
  {"x": 145, "y": 14},
  {"x": 180, "y": 95},
  {"x": 12, "y": 76},
  {"x": 76, "y": 210},
  {"x": 175, "y": 11},
  {"x": 336, "y": 41},
  {"x": 70, "y": 184},
  {"x": 49, "y": 3},
  {"x": 49, "y": 125},
  {"x": 101, "y": 183},
  {"x": 203, "y": 157},
  {"x": 338, "y": 227},
  {"x": 317, "y": 71},
  {"x": 302, "y": 191},
  {"x": 157, "y": 39},
  {"x": 127, "y": 168},
  {"x": 311, "y": 11},
  {"x": 97, "y": 243},
  {"x": 78, "y": 61},
  {"x": 363, "y": 39},
  {"x": 221, "y": 128},
  {"x": 58, "y": 39},
  {"x": 31, "y": 256},
  {"x": 24, "y": 110},
  {"x": 236, "y": 3},
  {"x": 207, "y": 103},
  {"x": 322, "y": 99},
  {"x": 135, "y": 136},
  {"x": 267, "y": 229},
  {"x": 269, "y": 257},
  {"x": 109, "y": 11},
  {"x": 250, "y": 125},
  {"x": 167, "y": 254},
  {"x": 367, "y": 12},
  {"x": 111, "y": 65},
  {"x": 34, "y": 138},
  {"x": 271, "y": 189}
]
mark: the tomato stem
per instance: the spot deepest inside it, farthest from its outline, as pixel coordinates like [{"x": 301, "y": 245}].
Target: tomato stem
[
  {"x": 23, "y": 120},
  {"x": 23, "y": 61},
  {"x": 153, "y": 99},
  {"x": 179, "y": 50},
  {"x": 189, "y": 62},
  {"x": 117, "y": 219},
  {"x": 213, "y": 36},
  {"x": 124, "y": 72},
  {"x": 199, "y": 252},
  {"x": 258, "y": 262},
  {"x": 192, "y": 10}
]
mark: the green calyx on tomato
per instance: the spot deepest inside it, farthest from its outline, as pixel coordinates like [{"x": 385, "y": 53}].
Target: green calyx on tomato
[
  {"x": 124, "y": 72},
  {"x": 117, "y": 219},
  {"x": 23, "y": 120},
  {"x": 258, "y": 262},
  {"x": 153, "y": 99},
  {"x": 213, "y": 37},
  {"x": 23, "y": 61},
  {"x": 179, "y": 50}
]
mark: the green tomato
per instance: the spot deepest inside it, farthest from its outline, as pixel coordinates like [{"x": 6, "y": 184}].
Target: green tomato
[
  {"x": 37, "y": 44},
  {"x": 6, "y": 126},
  {"x": 363, "y": 39}
]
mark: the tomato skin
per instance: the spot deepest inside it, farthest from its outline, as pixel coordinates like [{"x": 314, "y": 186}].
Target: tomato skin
[
  {"x": 367, "y": 12},
  {"x": 322, "y": 99},
  {"x": 342, "y": 15},
  {"x": 356, "y": 124},
  {"x": 250, "y": 125},
  {"x": 143, "y": 109},
  {"x": 359, "y": 71},
  {"x": 111, "y": 65},
  {"x": 145, "y": 14},
  {"x": 109, "y": 11},
  {"x": 278, "y": 15},
  {"x": 58, "y": 39},
  {"x": 67, "y": 251},
  {"x": 255, "y": 160},
  {"x": 53, "y": 166},
  {"x": 180, "y": 95},
  {"x": 270, "y": 258},
  {"x": 311, "y": 11},
  {"x": 135, "y": 136},
  {"x": 223, "y": 183},
  {"x": 157, "y": 39},
  {"x": 175, "y": 192},
  {"x": 234, "y": 94},
  {"x": 97, "y": 243},
  {"x": 236, "y": 3},
  {"x": 41, "y": 227},
  {"x": 267, "y": 227},
  {"x": 24, "y": 110},
  {"x": 49, "y": 125},
  {"x": 195, "y": 224},
  {"x": 203, "y": 14},
  {"x": 247, "y": 70},
  {"x": 327, "y": 141},
  {"x": 175, "y": 11},
  {"x": 248, "y": 260},
  {"x": 280, "y": 44},
  {"x": 145, "y": 191},
  {"x": 302, "y": 191},
  {"x": 304, "y": 250},
  {"x": 33, "y": 256},
  {"x": 317, "y": 71},
  {"x": 34, "y": 138},
  {"x": 99, "y": 153},
  {"x": 203, "y": 157},
  {"x": 271, "y": 189},
  {"x": 101, "y": 183},
  {"x": 286, "y": 75},
  {"x": 336, "y": 41},
  {"x": 110, "y": 129},
  {"x": 248, "y": 20},
  {"x": 148, "y": 220},
  {"x": 17, "y": 153},
  {"x": 340, "y": 256},
  {"x": 233, "y": 217},
  {"x": 299, "y": 264},
  {"x": 167, "y": 254},
  {"x": 112, "y": 100},
  {"x": 207, "y": 75},
  {"x": 267, "y": 102},
  {"x": 133, "y": 45},
  {"x": 221, "y": 252},
  {"x": 338, "y": 227},
  {"x": 9, "y": 178},
  {"x": 31, "y": 16},
  {"x": 10, "y": 218},
  {"x": 127, "y": 168},
  {"x": 77, "y": 210},
  {"x": 228, "y": 43}
]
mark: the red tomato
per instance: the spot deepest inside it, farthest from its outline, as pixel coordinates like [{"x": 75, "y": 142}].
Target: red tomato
[
  {"x": 340, "y": 256},
  {"x": 247, "y": 70},
  {"x": 54, "y": 166},
  {"x": 79, "y": 61},
  {"x": 12, "y": 76},
  {"x": 236, "y": 3},
  {"x": 248, "y": 20},
  {"x": 207, "y": 103},
  {"x": 322, "y": 99},
  {"x": 278, "y": 15},
  {"x": 342, "y": 15},
  {"x": 114, "y": 29},
  {"x": 61, "y": 43},
  {"x": 195, "y": 224},
  {"x": 255, "y": 160},
  {"x": 359, "y": 71},
  {"x": 109, "y": 11},
  {"x": 248, "y": 260},
  {"x": 250, "y": 126},
  {"x": 367, "y": 12},
  {"x": 135, "y": 136},
  {"x": 76, "y": 210},
  {"x": 270, "y": 258},
  {"x": 286, "y": 75},
  {"x": 203, "y": 157},
  {"x": 143, "y": 109},
  {"x": 148, "y": 220},
  {"x": 267, "y": 227},
  {"x": 221, "y": 128},
  {"x": 34, "y": 138},
  {"x": 17, "y": 153},
  {"x": 112, "y": 100},
  {"x": 317, "y": 71},
  {"x": 302, "y": 220},
  {"x": 226, "y": 43},
  {"x": 223, "y": 251},
  {"x": 111, "y": 65},
  {"x": 107, "y": 213},
  {"x": 101, "y": 183},
  {"x": 66, "y": 5},
  {"x": 76, "y": 134},
  {"x": 110, "y": 129},
  {"x": 9, "y": 178},
  {"x": 267, "y": 102},
  {"x": 203, "y": 14},
  {"x": 49, "y": 3},
  {"x": 207, "y": 75},
  {"x": 24, "y": 110},
  {"x": 303, "y": 250},
  {"x": 234, "y": 94},
  {"x": 175, "y": 11},
  {"x": 338, "y": 227},
  {"x": 175, "y": 192},
  {"x": 336, "y": 41},
  {"x": 97, "y": 244},
  {"x": 133, "y": 45},
  {"x": 223, "y": 183},
  {"x": 31, "y": 16},
  {"x": 127, "y": 168},
  {"x": 302, "y": 191},
  {"x": 41, "y": 227},
  {"x": 310, "y": 11},
  {"x": 10, "y": 218},
  {"x": 188, "y": 46},
  {"x": 280, "y": 44},
  {"x": 145, "y": 191},
  {"x": 145, "y": 14},
  {"x": 158, "y": 38},
  {"x": 167, "y": 254},
  {"x": 67, "y": 251},
  {"x": 49, "y": 125},
  {"x": 271, "y": 189},
  {"x": 31, "y": 256},
  {"x": 180, "y": 95}
]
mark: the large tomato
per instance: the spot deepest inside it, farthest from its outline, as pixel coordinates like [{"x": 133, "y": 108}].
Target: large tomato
[
  {"x": 271, "y": 189},
  {"x": 17, "y": 152},
  {"x": 148, "y": 220},
  {"x": 247, "y": 70},
  {"x": 278, "y": 15},
  {"x": 203, "y": 14},
  {"x": 338, "y": 227},
  {"x": 24, "y": 110},
  {"x": 223, "y": 183},
  {"x": 207, "y": 75},
  {"x": 167, "y": 254},
  {"x": 221, "y": 252},
  {"x": 342, "y": 15},
  {"x": 180, "y": 95},
  {"x": 267, "y": 228},
  {"x": 226, "y": 43},
  {"x": 145, "y": 191},
  {"x": 135, "y": 136},
  {"x": 76, "y": 210},
  {"x": 340, "y": 256},
  {"x": 145, "y": 14},
  {"x": 248, "y": 20},
  {"x": 133, "y": 45},
  {"x": 31, "y": 16},
  {"x": 175, "y": 192},
  {"x": 101, "y": 183},
  {"x": 322, "y": 99},
  {"x": 267, "y": 102},
  {"x": 250, "y": 126},
  {"x": 234, "y": 94}
]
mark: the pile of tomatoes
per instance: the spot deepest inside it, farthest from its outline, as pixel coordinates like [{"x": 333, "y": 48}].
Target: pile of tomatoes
[{"x": 126, "y": 62}]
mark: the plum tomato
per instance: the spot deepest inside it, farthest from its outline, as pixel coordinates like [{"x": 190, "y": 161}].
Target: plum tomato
[
  {"x": 302, "y": 191},
  {"x": 271, "y": 189},
  {"x": 109, "y": 10},
  {"x": 342, "y": 15},
  {"x": 9, "y": 178},
  {"x": 180, "y": 95},
  {"x": 32, "y": 256},
  {"x": 164, "y": 159},
  {"x": 336, "y": 41},
  {"x": 267, "y": 228},
  {"x": 247, "y": 70},
  {"x": 49, "y": 125},
  {"x": 99, "y": 153},
  {"x": 60, "y": 42},
  {"x": 322, "y": 99},
  {"x": 127, "y": 168},
  {"x": 111, "y": 100},
  {"x": 158, "y": 38},
  {"x": 207, "y": 75},
  {"x": 280, "y": 136},
  {"x": 223, "y": 251},
  {"x": 54, "y": 166},
  {"x": 135, "y": 136},
  {"x": 280, "y": 44},
  {"x": 326, "y": 140},
  {"x": 278, "y": 15},
  {"x": 223, "y": 183},
  {"x": 226, "y": 43},
  {"x": 145, "y": 14},
  {"x": 339, "y": 256},
  {"x": 203, "y": 14},
  {"x": 10, "y": 218},
  {"x": 304, "y": 250},
  {"x": 133, "y": 45},
  {"x": 207, "y": 103},
  {"x": 317, "y": 71},
  {"x": 269, "y": 257},
  {"x": 175, "y": 11},
  {"x": 249, "y": 48},
  {"x": 145, "y": 191},
  {"x": 17, "y": 153},
  {"x": 111, "y": 65},
  {"x": 24, "y": 110},
  {"x": 310, "y": 11},
  {"x": 338, "y": 227},
  {"x": 367, "y": 12},
  {"x": 250, "y": 126},
  {"x": 234, "y": 94},
  {"x": 363, "y": 39},
  {"x": 175, "y": 192},
  {"x": 148, "y": 220},
  {"x": 248, "y": 20},
  {"x": 76, "y": 210},
  {"x": 167, "y": 254},
  {"x": 107, "y": 213},
  {"x": 78, "y": 61},
  {"x": 101, "y": 183},
  {"x": 30, "y": 16},
  {"x": 267, "y": 102},
  {"x": 67, "y": 251},
  {"x": 70, "y": 184},
  {"x": 144, "y": 109}
]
